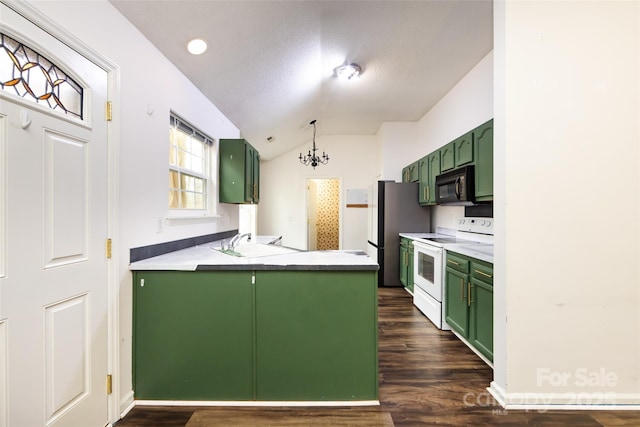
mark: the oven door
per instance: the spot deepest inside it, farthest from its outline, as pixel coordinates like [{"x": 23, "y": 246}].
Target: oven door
[{"x": 427, "y": 268}]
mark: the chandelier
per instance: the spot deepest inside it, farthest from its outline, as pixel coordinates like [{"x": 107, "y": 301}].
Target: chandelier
[{"x": 313, "y": 159}]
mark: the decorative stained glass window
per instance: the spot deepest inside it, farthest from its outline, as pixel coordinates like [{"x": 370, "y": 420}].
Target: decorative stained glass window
[
  {"x": 188, "y": 166},
  {"x": 26, "y": 73}
]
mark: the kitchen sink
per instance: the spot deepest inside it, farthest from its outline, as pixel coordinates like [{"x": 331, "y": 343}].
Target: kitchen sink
[{"x": 255, "y": 250}]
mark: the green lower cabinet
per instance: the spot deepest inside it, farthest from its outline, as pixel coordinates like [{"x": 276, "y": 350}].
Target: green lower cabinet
[
  {"x": 456, "y": 306},
  {"x": 481, "y": 317},
  {"x": 264, "y": 335},
  {"x": 193, "y": 336},
  {"x": 469, "y": 301},
  {"x": 404, "y": 261},
  {"x": 410, "y": 274},
  {"x": 315, "y": 336}
]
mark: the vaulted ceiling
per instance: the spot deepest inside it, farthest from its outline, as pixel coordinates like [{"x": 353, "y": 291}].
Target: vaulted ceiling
[{"x": 269, "y": 64}]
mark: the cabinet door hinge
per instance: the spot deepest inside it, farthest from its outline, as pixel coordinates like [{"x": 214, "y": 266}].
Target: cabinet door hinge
[
  {"x": 108, "y": 248},
  {"x": 108, "y": 111},
  {"x": 109, "y": 384}
]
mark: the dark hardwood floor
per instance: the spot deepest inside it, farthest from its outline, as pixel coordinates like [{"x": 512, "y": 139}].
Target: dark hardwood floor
[{"x": 427, "y": 377}]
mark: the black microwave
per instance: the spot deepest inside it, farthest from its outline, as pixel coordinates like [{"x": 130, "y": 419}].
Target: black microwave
[{"x": 456, "y": 187}]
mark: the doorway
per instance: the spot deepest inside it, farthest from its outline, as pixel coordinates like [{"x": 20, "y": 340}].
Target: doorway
[
  {"x": 323, "y": 214},
  {"x": 54, "y": 272}
]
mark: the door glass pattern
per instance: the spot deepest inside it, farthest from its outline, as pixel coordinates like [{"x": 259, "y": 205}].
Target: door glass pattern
[{"x": 29, "y": 75}]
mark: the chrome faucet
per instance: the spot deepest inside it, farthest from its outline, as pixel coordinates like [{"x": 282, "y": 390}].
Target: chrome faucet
[{"x": 237, "y": 238}]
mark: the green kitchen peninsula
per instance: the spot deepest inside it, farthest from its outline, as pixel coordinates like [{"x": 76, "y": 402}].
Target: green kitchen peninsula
[{"x": 295, "y": 328}]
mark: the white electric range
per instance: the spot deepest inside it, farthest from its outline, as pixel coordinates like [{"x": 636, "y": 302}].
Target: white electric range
[{"x": 429, "y": 262}]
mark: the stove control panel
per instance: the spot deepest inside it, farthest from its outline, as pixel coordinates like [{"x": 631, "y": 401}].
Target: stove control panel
[{"x": 476, "y": 225}]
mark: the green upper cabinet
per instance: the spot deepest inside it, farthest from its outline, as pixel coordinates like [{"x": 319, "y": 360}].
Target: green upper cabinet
[
  {"x": 483, "y": 146},
  {"x": 423, "y": 172},
  {"x": 239, "y": 172},
  {"x": 252, "y": 173},
  {"x": 434, "y": 171},
  {"x": 473, "y": 148},
  {"x": 447, "y": 157},
  {"x": 429, "y": 167},
  {"x": 463, "y": 149},
  {"x": 410, "y": 173}
]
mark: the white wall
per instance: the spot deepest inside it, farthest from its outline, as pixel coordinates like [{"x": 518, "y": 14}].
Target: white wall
[
  {"x": 567, "y": 243},
  {"x": 398, "y": 146},
  {"x": 467, "y": 105},
  {"x": 148, "y": 81},
  {"x": 282, "y": 210}
]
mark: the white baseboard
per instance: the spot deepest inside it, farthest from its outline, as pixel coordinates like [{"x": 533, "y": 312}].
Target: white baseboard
[
  {"x": 339, "y": 403},
  {"x": 126, "y": 404},
  {"x": 543, "y": 402}
]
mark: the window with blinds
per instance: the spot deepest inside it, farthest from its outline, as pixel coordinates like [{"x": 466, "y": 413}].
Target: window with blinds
[{"x": 190, "y": 154}]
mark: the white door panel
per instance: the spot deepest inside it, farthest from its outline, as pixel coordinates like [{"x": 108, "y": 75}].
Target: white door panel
[
  {"x": 53, "y": 296},
  {"x": 66, "y": 196}
]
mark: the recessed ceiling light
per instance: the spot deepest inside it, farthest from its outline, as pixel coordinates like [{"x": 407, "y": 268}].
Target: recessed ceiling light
[
  {"x": 348, "y": 71},
  {"x": 197, "y": 46}
]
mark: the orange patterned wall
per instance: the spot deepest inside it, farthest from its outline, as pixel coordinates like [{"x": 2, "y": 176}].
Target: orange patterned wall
[{"x": 328, "y": 223}]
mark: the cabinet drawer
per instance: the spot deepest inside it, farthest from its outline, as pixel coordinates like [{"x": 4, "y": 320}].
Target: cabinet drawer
[
  {"x": 482, "y": 271},
  {"x": 457, "y": 262}
]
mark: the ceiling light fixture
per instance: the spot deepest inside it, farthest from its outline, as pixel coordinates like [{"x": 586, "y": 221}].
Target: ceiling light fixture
[
  {"x": 196, "y": 46},
  {"x": 312, "y": 159},
  {"x": 348, "y": 71}
]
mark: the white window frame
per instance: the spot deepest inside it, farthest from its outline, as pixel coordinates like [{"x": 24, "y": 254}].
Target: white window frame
[{"x": 176, "y": 216}]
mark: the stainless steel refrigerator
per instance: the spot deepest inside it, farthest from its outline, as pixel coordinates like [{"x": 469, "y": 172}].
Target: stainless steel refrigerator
[{"x": 393, "y": 209}]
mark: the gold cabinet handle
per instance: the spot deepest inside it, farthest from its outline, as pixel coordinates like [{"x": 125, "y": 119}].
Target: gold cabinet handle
[
  {"x": 483, "y": 273},
  {"x": 427, "y": 193},
  {"x": 469, "y": 300},
  {"x": 461, "y": 290},
  {"x": 453, "y": 262}
]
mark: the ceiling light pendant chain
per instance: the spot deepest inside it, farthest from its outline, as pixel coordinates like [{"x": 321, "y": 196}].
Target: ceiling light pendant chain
[{"x": 313, "y": 159}]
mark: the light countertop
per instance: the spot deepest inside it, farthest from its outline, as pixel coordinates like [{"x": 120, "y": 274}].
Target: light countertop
[
  {"x": 205, "y": 257},
  {"x": 482, "y": 252},
  {"x": 479, "y": 250}
]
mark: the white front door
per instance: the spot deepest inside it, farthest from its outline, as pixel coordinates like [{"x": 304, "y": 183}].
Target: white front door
[{"x": 53, "y": 268}]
